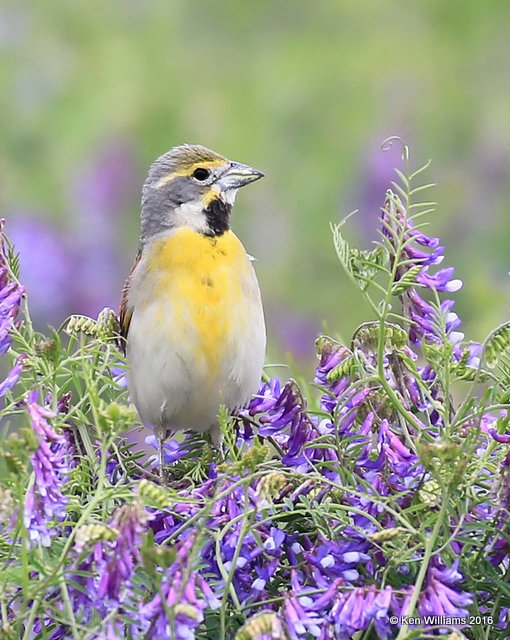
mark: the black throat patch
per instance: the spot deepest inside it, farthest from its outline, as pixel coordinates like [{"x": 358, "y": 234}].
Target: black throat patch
[{"x": 217, "y": 215}]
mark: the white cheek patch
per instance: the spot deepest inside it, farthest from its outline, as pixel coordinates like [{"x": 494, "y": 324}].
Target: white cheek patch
[
  {"x": 229, "y": 196},
  {"x": 190, "y": 214}
]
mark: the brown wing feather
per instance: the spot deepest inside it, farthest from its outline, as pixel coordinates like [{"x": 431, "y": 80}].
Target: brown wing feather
[{"x": 125, "y": 312}]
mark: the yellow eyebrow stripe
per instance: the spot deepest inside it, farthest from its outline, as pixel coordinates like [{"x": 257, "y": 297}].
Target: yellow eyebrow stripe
[{"x": 188, "y": 170}]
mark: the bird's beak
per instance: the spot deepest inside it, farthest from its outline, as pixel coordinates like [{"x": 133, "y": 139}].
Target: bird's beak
[{"x": 238, "y": 175}]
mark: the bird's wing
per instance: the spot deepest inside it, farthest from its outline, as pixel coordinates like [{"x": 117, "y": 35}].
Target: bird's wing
[{"x": 125, "y": 310}]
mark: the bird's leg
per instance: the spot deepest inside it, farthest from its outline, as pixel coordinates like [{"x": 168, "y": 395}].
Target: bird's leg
[
  {"x": 161, "y": 438},
  {"x": 162, "y": 434}
]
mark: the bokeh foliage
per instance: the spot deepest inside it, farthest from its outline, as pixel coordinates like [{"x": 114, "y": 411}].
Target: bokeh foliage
[{"x": 305, "y": 90}]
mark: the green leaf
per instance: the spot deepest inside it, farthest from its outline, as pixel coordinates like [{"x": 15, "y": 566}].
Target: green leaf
[
  {"x": 407, "y": 281},
  {"x": 363, "y": 266},
  {"x": 496, "y": 344},
  {"x": 11, "y": 576},
  {"x": 341, "y": 246},
  {"x": 266, "y": 623},
  {"x": 366, "y": 337},
  {"x": 14, "y": 261}
]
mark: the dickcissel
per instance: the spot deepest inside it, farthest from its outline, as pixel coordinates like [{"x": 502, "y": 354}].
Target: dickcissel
[{"x": 191, "y": 313}]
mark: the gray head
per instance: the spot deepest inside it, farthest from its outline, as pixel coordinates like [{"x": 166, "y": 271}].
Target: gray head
[{"x": 192, "y": 186}]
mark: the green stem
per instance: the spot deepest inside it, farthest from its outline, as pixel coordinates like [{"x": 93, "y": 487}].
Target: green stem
[
  {"x": 427, "y": 556},
  {"x": 31, "y": 618},
  {"x": 25, "y": 570},
  {"x": 229, "y": 587},
  {"x": 89, "y": 509},
  {"x": 383, "y": 316},
  {"x": 71, "y": 620},
  {"x": 185, "y": 525}
]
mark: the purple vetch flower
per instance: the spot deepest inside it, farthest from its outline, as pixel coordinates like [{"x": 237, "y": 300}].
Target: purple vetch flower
[
  {"x": 403, "y": 465},
  {"x": 173, "y": 449},
  {"x": 504, "y": 492},
  {"x": 429, "y": 323},
  {"x": 102, "y": 576},
  {"x": 305, "y": 610},
  {"x": 338, "y": 559},
  {"x": 121, "y": 555},
  {"x": 274, "y": 540},
  {"x": 257, "y": 555},
  {"x": 498, "y": 550},
  {"x": 503, "y": 438},
  {"x": 164, "y": 524},
  {"x": 40, "y": 626},
  {"x": 113, "y": 631},
  {"x": 474, "y": 351},
  {"x": 300, "y": 622},
  {"x": 503, "y": 618},
  {"x": 441, "y": 595},
  {"x": 378, "y": 610},
  {"x": 255, "y": 565},
  {"x": 355, "y": 610},
  {"x": 10, "y": 300},
  {"x": 185, "y": 593},
  {"x": 301, "y": 452},
  {"x": 337, "y": 613},
  {"x": 45, "y": 502},
  {"x": 355, "y": 415},
  {"x": 426, "y": 257},
  {"x": 265, "y": 398},
  {"x": 350, "y": 409},
  {"x": 13, "y": 376},
  {"x": 63, "y": 402},
  {"x": 282, "y": 414},
  {"x": 288, "y": 409},
  {"x": 440, "y": 281},
  {"x": 178, "y": 593},
  {"x": 421, "y": 252},
  {"x": 119, "y": 375},
  {"x": 329, "y": 374},
  {"x": 11, "y": 293}
]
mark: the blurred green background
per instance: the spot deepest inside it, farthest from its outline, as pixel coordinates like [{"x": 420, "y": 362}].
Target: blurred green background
[{"x": 92, "y": 92}]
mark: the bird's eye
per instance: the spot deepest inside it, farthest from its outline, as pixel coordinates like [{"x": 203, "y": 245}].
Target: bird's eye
[{"x": 201, "y": 174}]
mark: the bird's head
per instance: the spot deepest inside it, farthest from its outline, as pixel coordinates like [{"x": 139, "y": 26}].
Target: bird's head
[{"x": 192, "y": 186}]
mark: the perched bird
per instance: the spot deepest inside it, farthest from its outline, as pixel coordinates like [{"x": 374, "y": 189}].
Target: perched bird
[{"x": 191, "y": 313}]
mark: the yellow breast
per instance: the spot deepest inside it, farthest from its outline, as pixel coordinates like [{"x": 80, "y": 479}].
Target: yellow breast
[{"x": 202, "y": 279}]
